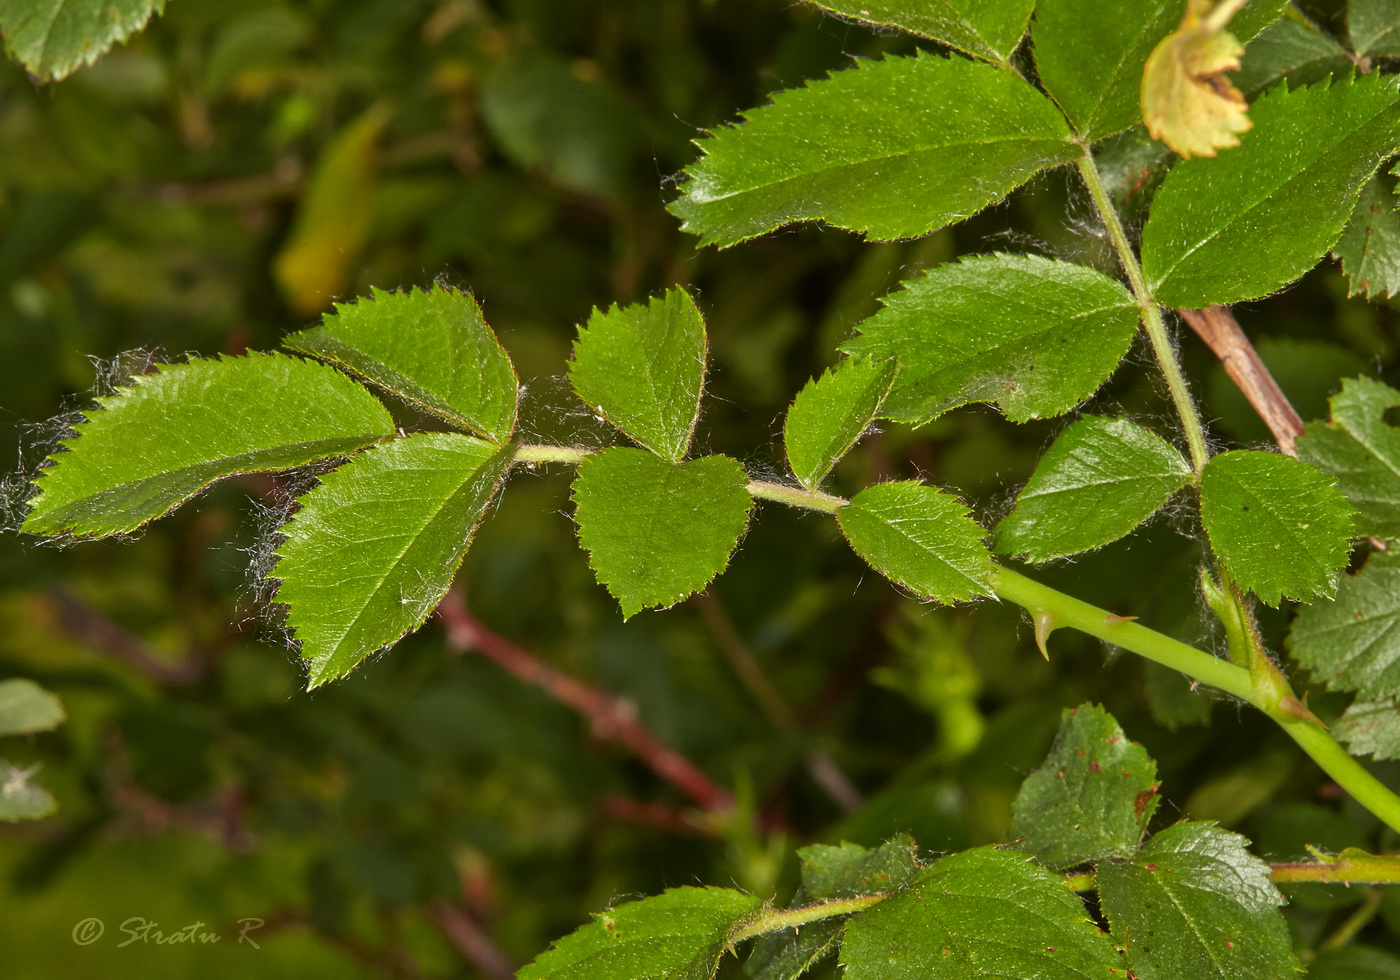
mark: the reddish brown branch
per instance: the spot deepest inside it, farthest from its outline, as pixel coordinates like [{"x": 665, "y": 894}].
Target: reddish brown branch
[
  {"x": 221, "y": 818},
  {"x": 660, "y": 816},
  {"x": 88, "y": 626},
  {"x": 472, "y": 942},
  {"x": 1217, "y": 326},
  {"x": 610, "y": 718}
]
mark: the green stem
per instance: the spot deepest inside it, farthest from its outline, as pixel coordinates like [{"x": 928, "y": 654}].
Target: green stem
[
  {"x": 1351, "y": 867},
  {"x": 1151, "y": 314},
  {"x": 1066, "y": 610},
  {"x": 1349, "y": 774},
  {"x": 1051, "y": 609},
  {"x": 550, "y": 454},
  {"x": 1258, "y": 688},
  {"x": 796, "y": 497},
  {"x": 772, "y": 921}
]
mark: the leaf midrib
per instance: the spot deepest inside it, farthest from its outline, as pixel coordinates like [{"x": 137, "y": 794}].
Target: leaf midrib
[
  {"x": 701, "y": 176},
  {"x": 397, "y": 559},
  {"x": 343, "y": 444}
]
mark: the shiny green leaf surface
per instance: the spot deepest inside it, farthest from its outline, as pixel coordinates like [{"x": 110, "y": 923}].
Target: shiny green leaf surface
[
  {"x": 1092, "y": 797},
  {"x": 1281, "y": 527},
  {"x": 677, "y": 935},
  {"x": 894, "y": 148},
  {"x": 986, "y": 28},
  {"x": 431, "y": 348},
  {"x": 1033, "y": 335},
  {"x": 156, "y": 444},
  {"x": 642, "y": 368},
  {"x": 658, "y": 531},
  {"x": 1195, "y": 903},
  {"x": 53, "y": 38},
  {"x": 982, "y": 913},
  {"x": 1362, "y": 450},
  {"x": 831, "y": 413},
  {"x": 1246, "y": 223},
  {"x": 919, "y": 537},
  {"x": 1353, "y": 644},
  {"x": 374, "y": 548},
  {"x": 1098, "y": 481}
]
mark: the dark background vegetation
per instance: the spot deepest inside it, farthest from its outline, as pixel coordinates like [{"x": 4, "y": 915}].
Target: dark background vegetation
[{"x": 211, "y": 185}]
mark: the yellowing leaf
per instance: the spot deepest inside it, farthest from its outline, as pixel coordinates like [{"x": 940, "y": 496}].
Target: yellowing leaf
[
  {"x": 1186, "y": 101},
  {"x": 333, "y": 217}
]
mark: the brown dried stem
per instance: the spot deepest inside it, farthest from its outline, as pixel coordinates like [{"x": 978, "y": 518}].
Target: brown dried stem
[{"x": 1217, "y": 326}]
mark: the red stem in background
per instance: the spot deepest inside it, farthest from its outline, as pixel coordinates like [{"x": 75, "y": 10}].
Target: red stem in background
[{"x": 610, "y": 717}]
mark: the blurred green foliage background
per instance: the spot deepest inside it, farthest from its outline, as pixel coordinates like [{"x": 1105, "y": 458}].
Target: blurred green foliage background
[{"x": 216, "y": 183}]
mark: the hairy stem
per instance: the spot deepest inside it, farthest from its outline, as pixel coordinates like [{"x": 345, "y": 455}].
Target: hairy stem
[
  {"x": 796, "y": 497},
  {"x": 774, "y": 920},
  {"x": 1151, "y": 314},
  {"x": 550, "y": 454}
]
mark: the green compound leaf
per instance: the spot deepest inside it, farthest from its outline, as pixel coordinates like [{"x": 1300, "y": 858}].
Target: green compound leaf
[
  {"x": 26, "y": 707},
  {"x": 986, "y": 28},
  {"x": 1353, "y": 644},
  {"x": 677, "y": 935},
  {"x": 1374, "y": 26},
  {"x": 1034, "y": 335},
  {"x": 156, "y": 444},
  {"x": 658, "y": 531},
  {"x": 53, "y": 38},
  {"x": 19, "y": 798},
  {"x": 1370, "y": 246},
  {"x": 642, "y": 367},
  {"x": 1195, "y": 903},
  {"x": 919, "y": 537},
  {"x": 1243, "y": 224},
  {"x": 432, "y": 349},
  {"x": 895, "y": 148},
  {"x": 1362, "y": 450},
  {"x": 374, "y": 548},
  {"x": 1100, "y": 479},
  {"x": 830, "y": 873},
  {"x": 1116, "y": 39},
  {"x": 981, "y": 913},
  {"x": 831, "y": 413},
  {"x": 1370, "y": 728},
  {"x": 1093, "y": 796},
  {"x": 1281, "y": 527}
]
